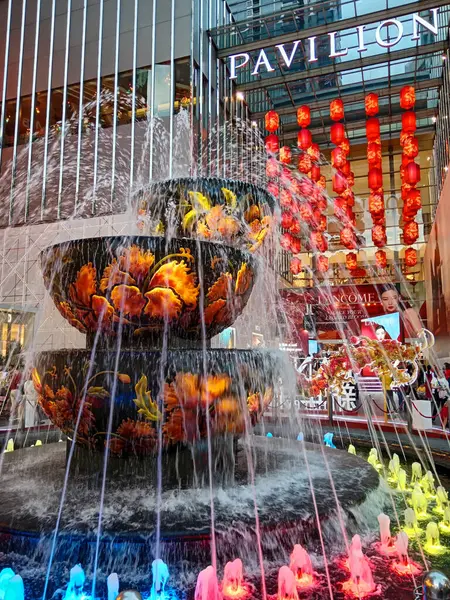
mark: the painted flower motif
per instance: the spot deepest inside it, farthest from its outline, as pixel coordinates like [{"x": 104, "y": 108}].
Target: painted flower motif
[
  {"x": 244, "y": 279},
  {"x": 137, "y": 262},
  {"x": 66, "y": 311},
  {"x": 137, "y": 437},
  {"x": 127, "y": 299},
  {"x": 225, "y": 299},
  {"x": 85, "y": 285},
  {"x": 163, "y": 303},
  {"x": 112, "y": 275},
  {"x": 176, "y": 275}
]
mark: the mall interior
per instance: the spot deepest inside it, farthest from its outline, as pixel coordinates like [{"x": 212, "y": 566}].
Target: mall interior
[{"x": 224, "y": 288}]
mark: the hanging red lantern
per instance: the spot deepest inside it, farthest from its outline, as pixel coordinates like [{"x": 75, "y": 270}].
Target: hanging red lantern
[
  {"x": 272, "y": 120},
  {"x": 381, "y": 259},
  {"x": 411, "y": 147},
  {"x": 346, "y": 165},
  {"x": 273, "y": 189},
  {"x": 405, "y": 159},
  {"x": 338, "y": 159},
  {"x": 410, "y": 257},
  {"x": 296, "y": 245},
  {"x": 272, "y": 144},
  {"x": 285, "y": 155},
  {"x": 351, "y": 179},
  {"x": 285, "y": 198},
  {"x": 318, "y": 241},
  {"x": 286, "y": 219},
  {"x": 379, "y": 235},
  {"x": 372, "y": 129},
  {"x": 314, "y": 152},
  {"x": 306, "y": 187},
  {"x": 413, "y": 201},
  {"x": 379, "y": 220},
  {"x": 376, "y": 204},
  {"x": 296, "y": 266},
  {"x": 322, "y": 182},
  {"x": 412, "y": 173},
  {"x": 295, "y": 228},
  {"x": 340, "y": 208},
  {"x": 345, "y": 146},
  {"x": 322, "y": 264},
  {"x": 322, "y": 223},
  {"x": 305, "y": 211},
  {"x": 315, "y": 172},
  {"x": 340, "y": 183},
  {"x": 371, "y": 104},
  {"x": 348, "y": 238},
  {"x": 337, "y": 110},
  {"x": 351, "y": 261},
  {"x": 303, "y": 116},
  {"x": 374, "y": 154},
  {"x": 272, "y": 168},
  {"x": 349, "y": 196},
  {"x": 375, "y": 178},
  {"x": 304, "y": 139},
  {"x": 410, "y": 233},
  {"x": 409, "y": 122},
  {"x": 304, "y": 163},
  {"x": 407, "y": 97},
  {"x": 337, "y": 133}
]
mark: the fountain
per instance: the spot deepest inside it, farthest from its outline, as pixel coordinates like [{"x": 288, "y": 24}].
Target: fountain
[
  {"x": 401, "y": 480},
  {"x": 15, "y": 589},
  {"x": 416, "y": 473},
  {"x": 112, "y": 584},
  {"x": 301, "y": 565},
  {"x": 386, "y": 543},
  {"x": 419, "y": 503},
  {"x": 394, "y": 468},
  {"x": 5, "y": 577},
  {"x": 361, "y": 581},
  {"x": 428, "y": 485},
  {"x": 411, "y": 527},
  {"x": 287, "y": 584},
  {"x": 351, "y": 449},
  {"x": 233, "y": 584},
  {"x": 207, "y": 587},
  {"x": 433, "y": 544},
  {"x": 404, "y": 565},
  {"x": 373, "y": 459},
  {"x": 76, "y": 583}
]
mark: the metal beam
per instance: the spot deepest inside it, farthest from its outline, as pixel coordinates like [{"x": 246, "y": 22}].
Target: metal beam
[
  {"x": 334, "y": 68},
  {"x": 419, "y": 85},
  {"x": 373, "y": 17}
]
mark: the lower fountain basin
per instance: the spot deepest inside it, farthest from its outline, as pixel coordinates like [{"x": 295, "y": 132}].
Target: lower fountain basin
[{"x": 133, "y": 401}]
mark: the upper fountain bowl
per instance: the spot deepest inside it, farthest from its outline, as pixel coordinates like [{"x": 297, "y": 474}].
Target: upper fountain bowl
[
  {"x": 146, "y": 287},
  {"x": 221, "y": 210}
]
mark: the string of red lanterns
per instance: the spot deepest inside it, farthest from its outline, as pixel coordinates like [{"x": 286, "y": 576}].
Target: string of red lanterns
[
  {"x": 409, "y": 173},
  {"x": 375, "y": 177}
]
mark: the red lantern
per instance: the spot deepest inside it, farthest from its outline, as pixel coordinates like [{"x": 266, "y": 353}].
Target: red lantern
[
  {"x": 295, "y": 266},
  {"x": 410, "y": 233},
  {"x": 303, "y": 116},
  {"x": 407, "y": 97},
  {"x": 314, "y": 152},
  {"x": 351, "y": 179},
  {"x": 306, "y": 187},
  {"x": 285, "y": 199},
  {"x": 273, "y": 189},
  {"x": 371, "y": 104},
  {"x": 337, "y": 133},
  {"x": 406, "y": 188},
  {"x": 351, "y": 217},
  {"x": 338, "y": 158},
  {"x": 295, "y": 228},
  {"x": 322, "y": 264},
  {"x": 351, "y": 261},
  {"x": 374, "y": 154},
  {"x": 272, "y": 143},
  {"x": 376, "y": 204},
  {"x": 318, "y": 241},
  {"x": 411, "y": 147},
  {"x": 272, "y": 120},
  {"x": 286, "y": 241},
  {"x": 322, "y": 182},
  {"x": 375, "y": 178},
  {"x": 304, "y": 163},
  {"x": 340, "y": 208},
  {"x": 322, "y": 224},
  {"x": 304, "y": 139},
  {"x": 412, "y": 173},
  {"x": 348, "y": 238},
  {"x": 286, "y": 219},
  {"x": 315, "y": 172},
  {"x": 305, "y": 211},
  {"x": 409, "y": 122},
  {"x": 381, "y": 220},
  {"x": 372, "y": 129},
  {"x": 381, "y": 259},
  {"x": 410, "y": 257},
  {"x": 346, "y": 166},
  {"x": 349, "y": 196},
  {"x": 379, "y": 235},
  {"x": 345, "y": 146},
  {"x": 337, "y": 110},
  {"x": 272, "y": 168},
  {"x": 285, "y": 155},
  {"x": 413, "y": 201},
  {"x": 340, "y": 183},
  {"x": 296, "y": 245}
]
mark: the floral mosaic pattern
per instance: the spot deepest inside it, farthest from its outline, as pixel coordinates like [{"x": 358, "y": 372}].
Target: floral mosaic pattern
[
  {"x": 238, "y": 218},
  {"x": 144, "y": 289},
  {"x": 183, "y": 409}
]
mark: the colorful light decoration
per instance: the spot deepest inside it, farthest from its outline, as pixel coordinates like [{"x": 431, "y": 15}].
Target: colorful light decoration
[
  {"x": 407, "y": 97},
  {"x": 272, "y": 120},
  {"x": 410, "y": 257}
]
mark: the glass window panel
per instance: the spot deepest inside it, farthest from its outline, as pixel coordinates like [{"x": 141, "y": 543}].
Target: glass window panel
[{"x": 182, "y": 84}]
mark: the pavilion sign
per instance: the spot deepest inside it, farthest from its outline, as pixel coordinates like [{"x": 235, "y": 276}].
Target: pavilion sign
[{"x": 383, "y": 37}]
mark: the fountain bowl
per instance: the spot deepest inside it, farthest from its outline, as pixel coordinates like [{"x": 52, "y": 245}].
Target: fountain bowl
[
  {"x": 152, "y": 399},
  {"x": 207, "y": 208},
  {"x": 142, "y": 288}
]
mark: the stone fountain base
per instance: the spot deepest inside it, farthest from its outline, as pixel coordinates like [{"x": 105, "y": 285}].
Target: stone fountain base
[{"x": 31, "y": 491}]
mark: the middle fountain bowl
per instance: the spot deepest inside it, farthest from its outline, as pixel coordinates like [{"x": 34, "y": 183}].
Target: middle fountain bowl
[{"x": 144, "y": 288}]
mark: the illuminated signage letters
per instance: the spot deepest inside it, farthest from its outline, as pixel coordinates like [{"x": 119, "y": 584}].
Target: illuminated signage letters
[{"x": 387, "y": 34}]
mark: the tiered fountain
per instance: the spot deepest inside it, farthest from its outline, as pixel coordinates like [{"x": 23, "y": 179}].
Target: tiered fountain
[{"x": 153, "y": 467}]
